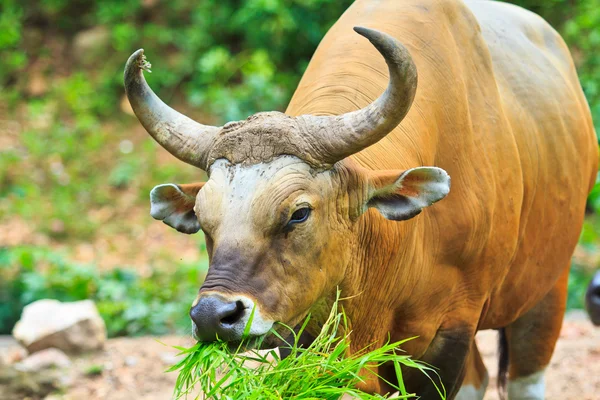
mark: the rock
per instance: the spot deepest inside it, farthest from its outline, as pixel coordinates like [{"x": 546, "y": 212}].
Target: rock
[
  {"x": 170, "y": 358},
  {"x": 12, "y": 355},
  {"x": 10, "y": 351},
  {"x": 71, "y": 327},
  {"x": 44, "y": 359},
  {"x": 19, "y": 385},
  {"x": 130, "y": 361}
]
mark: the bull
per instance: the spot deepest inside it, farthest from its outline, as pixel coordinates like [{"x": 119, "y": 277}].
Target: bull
[{"x": 338, "y": 191}]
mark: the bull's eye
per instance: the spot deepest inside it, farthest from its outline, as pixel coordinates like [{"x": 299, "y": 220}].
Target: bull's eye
[{"x": 300, "y": 215}]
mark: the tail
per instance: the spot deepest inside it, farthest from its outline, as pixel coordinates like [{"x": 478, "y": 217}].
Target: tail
[{"x": 502, "y": 363}]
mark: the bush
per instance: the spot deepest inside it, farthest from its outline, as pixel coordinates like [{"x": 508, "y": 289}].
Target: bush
[
  {"x": 579, "y": 279},
  {"x": 578, "y": 23},
  {"x": 231, "y": 58},
  {"x": 129, "y": 303},
  {"x": 228, "y": 59}
]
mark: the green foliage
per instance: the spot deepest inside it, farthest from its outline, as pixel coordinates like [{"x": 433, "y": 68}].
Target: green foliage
[
  {"x": 578, "y": 22},
  {"x": 583, "y": 32},
  {"x": 579, "y": 279},
  {"x": 69, "y": 164},
  {"x": 11, "y": 31},
  {"x": 230, "y": 58},
  {"x": 94, "y": 370},
  {"x": 130, "y": 304},
  {"x": 324, "y": 370}
]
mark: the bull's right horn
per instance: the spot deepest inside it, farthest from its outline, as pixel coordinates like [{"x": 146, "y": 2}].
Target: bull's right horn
[
  {"x": 181, "y": 136},
  {"x": 337, "y": 137}
]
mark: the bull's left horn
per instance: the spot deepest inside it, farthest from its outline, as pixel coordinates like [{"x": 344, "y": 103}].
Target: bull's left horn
[
  {"x": 335, "y": 138},
  {"x": 181, "y": 136}
]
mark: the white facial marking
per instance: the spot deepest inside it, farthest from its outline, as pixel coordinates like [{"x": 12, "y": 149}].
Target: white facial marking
[
  {"x": 530, "y": 387},
  {"x": 260, "y": 324},
  {"x": 234, "y": 192}
]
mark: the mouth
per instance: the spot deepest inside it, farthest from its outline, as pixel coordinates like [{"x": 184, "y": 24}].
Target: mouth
[
  {"x": 269, "y": 340},
  {"x": 238, "y": 321}
]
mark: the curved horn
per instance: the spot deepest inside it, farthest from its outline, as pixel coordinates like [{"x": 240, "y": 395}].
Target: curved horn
[
  {"x": 181, "y": 136},
  {"x": 341, "y": 136}
]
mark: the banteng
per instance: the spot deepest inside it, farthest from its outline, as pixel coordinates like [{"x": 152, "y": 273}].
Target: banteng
[{"x": 339, "y": 190}]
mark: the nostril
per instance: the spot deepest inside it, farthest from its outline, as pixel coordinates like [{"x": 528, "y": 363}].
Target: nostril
[
  {"x": 216, "y": 317},
  {"x": 234, "y": 315}
]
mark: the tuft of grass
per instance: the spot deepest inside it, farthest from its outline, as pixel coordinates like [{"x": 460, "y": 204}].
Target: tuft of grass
[
  {"x": 324, "y": 370},
  {"x": 94, "y": 370}
]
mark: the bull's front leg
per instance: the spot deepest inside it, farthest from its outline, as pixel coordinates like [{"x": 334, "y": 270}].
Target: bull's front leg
[{"x": 447, "y": 353}]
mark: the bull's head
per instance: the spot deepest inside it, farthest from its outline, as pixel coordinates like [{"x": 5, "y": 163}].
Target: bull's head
[{"x": 280, "y": 207}]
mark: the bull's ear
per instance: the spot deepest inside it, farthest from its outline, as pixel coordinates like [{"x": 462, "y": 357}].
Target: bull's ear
[
  {"x": 402, "y": 195},
  {"x": 174, "y": 205}
]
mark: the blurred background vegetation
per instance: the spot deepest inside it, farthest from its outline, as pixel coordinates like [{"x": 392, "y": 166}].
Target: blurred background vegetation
[{"x": 76, "y": 168}]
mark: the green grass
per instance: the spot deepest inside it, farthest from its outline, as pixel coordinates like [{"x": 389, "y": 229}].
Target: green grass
[
  {"x": 94, "y": 370},
  {"x": 324, "y": 370}
]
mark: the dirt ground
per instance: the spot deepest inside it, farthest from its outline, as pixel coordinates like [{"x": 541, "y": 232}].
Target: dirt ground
[
  {"x": 133, "y": 368},
  {"x": 574, "y": 372}
]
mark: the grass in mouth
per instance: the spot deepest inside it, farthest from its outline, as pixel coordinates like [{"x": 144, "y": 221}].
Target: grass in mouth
[{"x": 324, "y": 370}]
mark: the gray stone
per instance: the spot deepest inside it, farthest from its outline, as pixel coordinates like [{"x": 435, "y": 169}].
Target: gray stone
[
  {"x": 12, "y": 354},
  {"x": 10, "y": 351},
  {"x": 18, "y": 385},
  {"x": 170, "y": 358},
  {"x": 130, "y": 361},
  {"x": 71, "y": 327},
  {"x": 44, "y": 359}
]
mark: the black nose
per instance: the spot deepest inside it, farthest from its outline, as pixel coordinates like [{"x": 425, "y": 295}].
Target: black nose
[
  {"x": 592, "y": 299},
  {"x": 216, "y": 317}
]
